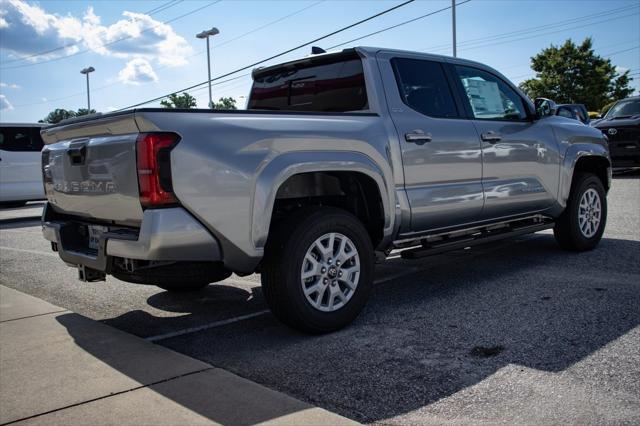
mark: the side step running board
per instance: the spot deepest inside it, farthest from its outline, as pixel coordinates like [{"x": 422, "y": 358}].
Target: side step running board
[{"x": 473, "y": 240}]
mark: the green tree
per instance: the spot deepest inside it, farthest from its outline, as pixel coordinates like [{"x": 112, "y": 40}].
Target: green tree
[
  {"x": 575, "y": 74},
  {"x": 57, "y": 115},
  {"x": 184, "y": 101},
  {"x": 225, "y": 103},
  {"x": 84, "y": 111}
]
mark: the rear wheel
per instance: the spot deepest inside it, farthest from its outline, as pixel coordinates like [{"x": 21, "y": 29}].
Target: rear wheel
[
  {"x": 318, "y": 270},
  {"x": 581, "y": 225}
]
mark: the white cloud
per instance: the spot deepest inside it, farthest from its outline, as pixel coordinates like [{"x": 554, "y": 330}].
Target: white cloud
[
  {"x": 9, "y": 85},
  {"x": 26, "y": 29},
  {"x": 4, "y": 103},
  {"x": 137, "y": 71}
]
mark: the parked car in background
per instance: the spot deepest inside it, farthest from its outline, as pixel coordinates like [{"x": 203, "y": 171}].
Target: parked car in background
[
  {"x": 621, "y": 125},
  {"x": 20, "y": 170},
  {"x": 576, "y": 111}
]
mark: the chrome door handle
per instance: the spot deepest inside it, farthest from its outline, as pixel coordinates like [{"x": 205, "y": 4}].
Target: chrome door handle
[
  {"x": 417, "y": 136},
  {"x": 491, "y": 137}
]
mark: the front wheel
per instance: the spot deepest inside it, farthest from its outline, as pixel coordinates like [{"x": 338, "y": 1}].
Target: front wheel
[
  {"x": 581, "y": 225},
  {"x": 318, "y": 270}
]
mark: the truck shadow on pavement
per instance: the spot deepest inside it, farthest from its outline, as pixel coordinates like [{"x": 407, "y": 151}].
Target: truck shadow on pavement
[
  {"x": 214, "y": 303},
  {"x": 447, "y": 327}
]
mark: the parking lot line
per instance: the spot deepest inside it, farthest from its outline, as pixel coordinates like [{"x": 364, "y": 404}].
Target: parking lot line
[
  {"x": 215, "y": 324},
  {"x": 204, "y": 326}
]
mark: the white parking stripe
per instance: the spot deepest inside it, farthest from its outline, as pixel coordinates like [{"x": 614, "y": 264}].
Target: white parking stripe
[
  {"x": 215, "y": 324},
  {"x": 44, "y": 253},
  {"x": 204, "y": 326}
]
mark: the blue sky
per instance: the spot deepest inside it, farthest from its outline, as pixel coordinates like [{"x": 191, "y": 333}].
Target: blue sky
[{"x": 168, "y": 57}]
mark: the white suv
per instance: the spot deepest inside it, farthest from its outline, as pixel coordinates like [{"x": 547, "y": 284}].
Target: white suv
[{"x": 20, "y": 170}]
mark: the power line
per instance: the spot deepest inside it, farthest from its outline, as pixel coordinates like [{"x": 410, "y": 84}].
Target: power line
[
  {"x": 397, "y": 25},
  {"x": 549, "y": 33},
  {"x": 190, "y": 56},
  {"x": 151, "y": 12},
  {"x": 481, "y": 41},
  {"x": 163, "y": 7},
  {"x": 278, "y": 54},
  {"x": 114, "y": 41},
  {"x": 269, "y": 24},
  {"x": 109, "y": 85},
  {"x": 605, "y": 56},
  {"x": 622, "y": 51}
]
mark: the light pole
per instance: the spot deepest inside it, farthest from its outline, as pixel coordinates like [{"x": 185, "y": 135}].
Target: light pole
[
  {"x": 205, "y": 34},
  {"x": 453, "y": 25},
  {"x": 86, "y": 72}
]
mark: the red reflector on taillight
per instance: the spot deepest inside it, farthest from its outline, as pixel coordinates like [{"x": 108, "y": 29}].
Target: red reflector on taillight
[{"x": 154, "y": 175}]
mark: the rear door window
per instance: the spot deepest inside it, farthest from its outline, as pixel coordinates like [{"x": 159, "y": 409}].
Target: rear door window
[
  {"x": 424, "y": 88},
  {"x": 330, "y": 87},
  {"x": 19, "y": 139}
]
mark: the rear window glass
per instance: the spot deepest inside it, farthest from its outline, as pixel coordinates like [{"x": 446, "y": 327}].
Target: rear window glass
[
  {"x": 20, "y": 139},
  {"x": 331, "y": 87}
]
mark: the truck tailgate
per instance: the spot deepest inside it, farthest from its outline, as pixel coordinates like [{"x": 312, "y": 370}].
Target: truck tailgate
[{"x": 89, "y": 169}]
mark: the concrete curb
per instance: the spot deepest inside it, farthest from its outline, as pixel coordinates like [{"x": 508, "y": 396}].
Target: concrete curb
[{"x": 59, "y": 367}]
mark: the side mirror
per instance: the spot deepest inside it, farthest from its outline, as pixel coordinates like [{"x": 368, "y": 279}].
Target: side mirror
[{"x": 545, "y": 107}]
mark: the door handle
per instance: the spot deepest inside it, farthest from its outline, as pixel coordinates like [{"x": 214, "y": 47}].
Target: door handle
[
  {"x": 491, "y": 137},
  {"x": 417, "y": 136}
]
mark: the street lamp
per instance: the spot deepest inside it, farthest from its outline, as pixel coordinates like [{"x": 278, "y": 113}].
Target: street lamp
[
  {"x": 86, "y": 72},
  {"x": 453, "y": 27},
  {"x": 205, "y": 34}
]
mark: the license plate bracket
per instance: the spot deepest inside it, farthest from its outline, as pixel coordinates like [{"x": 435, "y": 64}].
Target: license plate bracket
[{"x": 95, "y": 232}]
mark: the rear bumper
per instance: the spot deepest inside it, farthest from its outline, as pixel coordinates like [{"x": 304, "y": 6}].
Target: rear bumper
[{"x": 169, "y": 234}]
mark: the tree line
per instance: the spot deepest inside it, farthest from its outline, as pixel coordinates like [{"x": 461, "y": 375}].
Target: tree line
[{"x": 174, "y": 101}]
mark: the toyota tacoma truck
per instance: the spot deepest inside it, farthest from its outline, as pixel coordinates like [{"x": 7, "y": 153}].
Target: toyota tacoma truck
[{"x": 339, "y": 159}]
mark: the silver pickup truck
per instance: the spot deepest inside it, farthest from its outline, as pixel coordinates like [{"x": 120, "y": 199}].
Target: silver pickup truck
[{"x": 339, "y": 159}]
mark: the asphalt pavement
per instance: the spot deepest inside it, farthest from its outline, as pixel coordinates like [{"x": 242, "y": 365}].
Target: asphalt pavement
[{"x": 520, "y": 331}]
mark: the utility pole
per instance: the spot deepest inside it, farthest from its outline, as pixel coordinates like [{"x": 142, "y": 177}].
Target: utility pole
[
  {"x": 206, "y": 34},
  {"x": 453, "y": 27},
  {"x": 86, "y": 72}
]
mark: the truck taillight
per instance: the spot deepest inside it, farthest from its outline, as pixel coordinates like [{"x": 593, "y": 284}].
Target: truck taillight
[{"x": 154, "y": 168}]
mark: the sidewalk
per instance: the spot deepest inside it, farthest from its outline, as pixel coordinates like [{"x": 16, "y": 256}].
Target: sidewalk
[{"x": 58, "y": 367}]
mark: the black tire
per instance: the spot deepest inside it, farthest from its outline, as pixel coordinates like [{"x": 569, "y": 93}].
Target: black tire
[
  {"x": 567, "y": 228},
  {"x": 178, "y": 277},
  {"x": 282, "y": 265}
]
